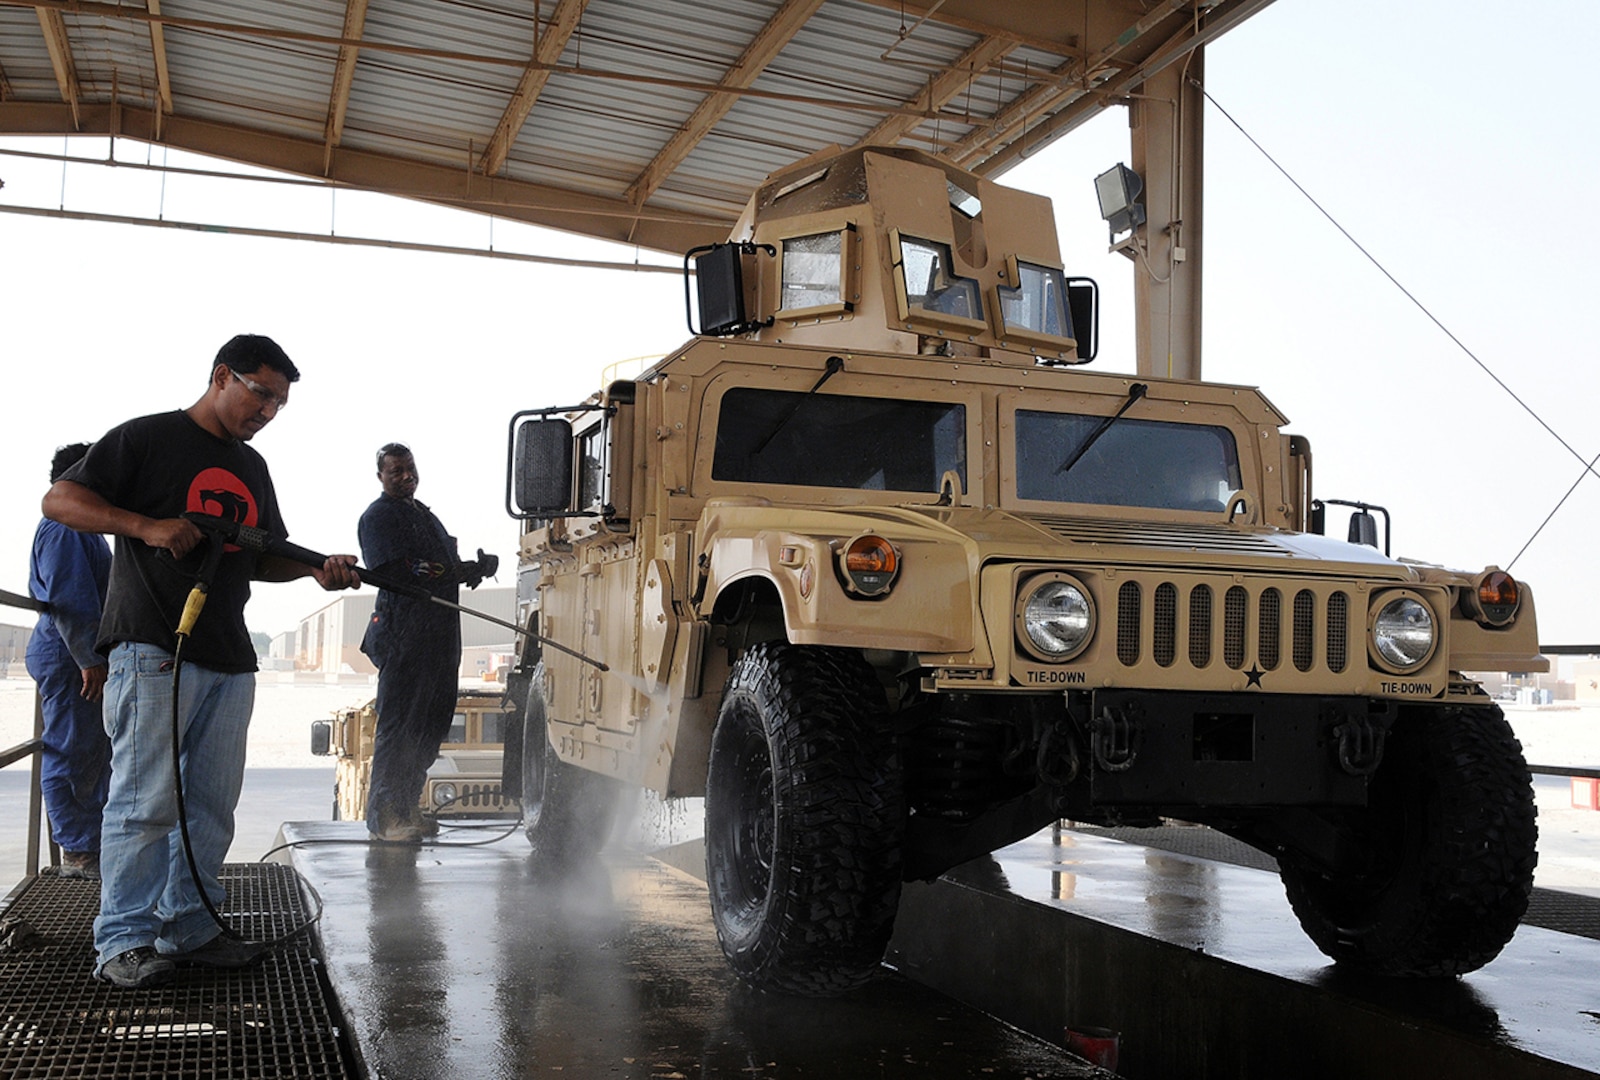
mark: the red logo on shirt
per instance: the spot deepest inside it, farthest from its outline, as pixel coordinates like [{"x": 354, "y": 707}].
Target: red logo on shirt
[{"x": 221, "y": 494}]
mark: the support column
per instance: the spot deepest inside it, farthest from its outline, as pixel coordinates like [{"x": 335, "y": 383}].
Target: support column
[{"x": 1167, "y": 121}]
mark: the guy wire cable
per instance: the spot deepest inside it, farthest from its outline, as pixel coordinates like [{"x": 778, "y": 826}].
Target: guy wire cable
[{"x": 1588, "y": 465}]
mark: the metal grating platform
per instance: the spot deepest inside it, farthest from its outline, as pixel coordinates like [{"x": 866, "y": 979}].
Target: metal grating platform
[{"x": 56, "y": 1020}]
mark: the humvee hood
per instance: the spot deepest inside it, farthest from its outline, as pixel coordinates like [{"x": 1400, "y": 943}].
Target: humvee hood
[{"x": 1002, "y": 534}]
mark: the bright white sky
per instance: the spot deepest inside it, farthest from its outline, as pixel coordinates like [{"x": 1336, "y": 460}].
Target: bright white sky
[{"x": 1455, "y": 140}]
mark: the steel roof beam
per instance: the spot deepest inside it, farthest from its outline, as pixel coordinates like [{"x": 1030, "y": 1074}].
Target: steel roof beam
[
  {"x": 60, "y": 47},
  {"x": 1046, "y": 25},
  {"x": 605, "y": 217},
  {"x": 763, "y": 48},
  {"x": 344, "y": 73},
  {"x": 158, "y": 52},
  {"x": 548, "y": 47},
  {"x": 941, "y": 89},
  {"x": 1006, "y": 150}
]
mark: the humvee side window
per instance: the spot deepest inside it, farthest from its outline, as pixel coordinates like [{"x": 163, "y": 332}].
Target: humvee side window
[
  {"x": 591, "y": 469},
  {"x": 1147, "y": 463},
  {"x": 1038, "y": 304},
  {"x": 930, "y": 283},
  {"x": 494, "y": 727},
  {"x": 458, "y": 728},
  {"x": 813, "y": 271},
  {"x": 837, "y": 441}
]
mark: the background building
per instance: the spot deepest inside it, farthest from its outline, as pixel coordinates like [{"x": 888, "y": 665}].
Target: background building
[{"x": 329, "y": 639}]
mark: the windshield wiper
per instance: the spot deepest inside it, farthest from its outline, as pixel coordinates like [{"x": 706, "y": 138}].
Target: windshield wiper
[
  {"x": 1135, "y": 392},
  {"x": 835, "y": 365}
]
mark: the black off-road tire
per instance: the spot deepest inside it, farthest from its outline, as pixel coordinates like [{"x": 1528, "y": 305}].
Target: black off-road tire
[
  {"x": 567, "y": 812},
  {"x": 1449, "y": 832},
  {"x": 805, "y": 821}
]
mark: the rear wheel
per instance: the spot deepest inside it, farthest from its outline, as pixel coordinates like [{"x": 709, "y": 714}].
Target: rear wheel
[
  {"x": 567, "y": 812},
  {"x": 1448, "y": 837},
  {"x": 804, "y": 820}
]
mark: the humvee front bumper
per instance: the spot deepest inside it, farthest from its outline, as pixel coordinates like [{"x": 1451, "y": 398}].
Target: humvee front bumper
[{"x": 1167, "y": 749}]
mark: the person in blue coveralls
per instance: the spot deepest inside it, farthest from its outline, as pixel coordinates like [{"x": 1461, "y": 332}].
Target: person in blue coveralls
[
  {"x": 415, "y": 644},
  {"x": 69, "y": 571}
]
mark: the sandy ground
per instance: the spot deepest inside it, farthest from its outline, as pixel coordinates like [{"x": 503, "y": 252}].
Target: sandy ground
[{"x": 284, "y": 781}]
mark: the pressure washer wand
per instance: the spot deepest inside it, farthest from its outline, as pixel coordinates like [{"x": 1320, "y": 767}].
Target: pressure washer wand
[{"x": 258, "y": 540}]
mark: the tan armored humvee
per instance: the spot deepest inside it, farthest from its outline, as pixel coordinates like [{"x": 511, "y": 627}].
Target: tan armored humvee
[
  {"x": 878, "y": 570},
  {"x": 463, "y": 782}
]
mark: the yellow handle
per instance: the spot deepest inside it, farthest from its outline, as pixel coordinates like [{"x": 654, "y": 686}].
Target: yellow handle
[{"x": 191, "y": 610}]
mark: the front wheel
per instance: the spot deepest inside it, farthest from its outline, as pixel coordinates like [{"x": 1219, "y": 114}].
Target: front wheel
[
  {"x": 1448, "y": 842},
  {"x": 805, "y": 820},
  {"x": 567, "y": 812}
]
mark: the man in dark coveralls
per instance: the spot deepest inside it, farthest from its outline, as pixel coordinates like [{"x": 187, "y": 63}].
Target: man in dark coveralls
[{"x": 415, "y": 644}]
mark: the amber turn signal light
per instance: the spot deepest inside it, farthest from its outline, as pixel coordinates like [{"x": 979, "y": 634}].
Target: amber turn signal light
[
  {"x": 868, "y": 565},
  {"x": 1494, "y": 602}
]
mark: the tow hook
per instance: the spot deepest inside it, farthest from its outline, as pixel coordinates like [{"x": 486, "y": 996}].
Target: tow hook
[
  {"x": 1114, "y": 740},
  {"x": 1360, "y": 745}
]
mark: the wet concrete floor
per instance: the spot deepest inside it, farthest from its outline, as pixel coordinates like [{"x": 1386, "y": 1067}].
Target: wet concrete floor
[{"x": 460, "y": 961}]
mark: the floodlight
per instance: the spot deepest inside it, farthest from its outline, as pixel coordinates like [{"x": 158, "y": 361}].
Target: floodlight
[{"x": 1119, "y": 188}]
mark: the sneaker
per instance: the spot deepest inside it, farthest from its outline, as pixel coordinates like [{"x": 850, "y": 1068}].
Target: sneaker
[
  {"x": 83, "y": 865},
  {"x": 223, "y": 951},
  {"x": 136, "y": 969}
]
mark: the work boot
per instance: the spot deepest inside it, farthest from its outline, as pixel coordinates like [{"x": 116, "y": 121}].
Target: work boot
[
  {"x": 136, "y": 969},
  {"x": 426, "y": 824},
  {"x": 82, "y": 865},
  {"x": 389, "y": 830}
]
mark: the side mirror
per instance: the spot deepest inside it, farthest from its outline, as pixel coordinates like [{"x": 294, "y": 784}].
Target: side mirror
[
  {"x": 539, "y": 480},
  {"x": 1083, "y": 307},
  {"x": 1363, "y": 529},
  {"x": 321, "y": 737}
]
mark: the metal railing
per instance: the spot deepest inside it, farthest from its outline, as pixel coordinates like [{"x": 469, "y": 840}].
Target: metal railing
[{"x": 34, "y": 748}]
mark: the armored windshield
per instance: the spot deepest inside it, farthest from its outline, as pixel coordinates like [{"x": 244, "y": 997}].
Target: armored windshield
[
  {"x": 1146, "y": 463},
  {"x": 838, "y": 441}
]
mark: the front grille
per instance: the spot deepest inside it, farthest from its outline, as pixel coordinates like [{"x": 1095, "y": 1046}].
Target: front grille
[
  {"x": 1128, "y": 629},
  {"x": 1255, "y": 630}
]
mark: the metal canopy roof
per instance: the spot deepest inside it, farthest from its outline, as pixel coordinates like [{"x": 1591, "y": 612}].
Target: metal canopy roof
[{"x": 645, "y": 121}]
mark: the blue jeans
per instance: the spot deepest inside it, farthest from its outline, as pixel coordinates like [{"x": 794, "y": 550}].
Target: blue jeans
[
  {"x": 76, "y": 764},
  {"x": 147, "y": 894}
]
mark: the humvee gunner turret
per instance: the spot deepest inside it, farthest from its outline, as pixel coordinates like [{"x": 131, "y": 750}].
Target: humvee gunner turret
[{"x": 881, "y": 573}]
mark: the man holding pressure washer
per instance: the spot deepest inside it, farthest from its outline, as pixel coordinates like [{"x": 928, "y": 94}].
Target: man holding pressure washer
[{"x": 136, "y": 483}]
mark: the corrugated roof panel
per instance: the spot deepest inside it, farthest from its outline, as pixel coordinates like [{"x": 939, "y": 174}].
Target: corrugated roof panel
[
  {"x": 112, "y": 58},
  {"x": 24, "y": 58},
  {"x": 274, "y": 85},
  {"x": 613, "y": 129}
]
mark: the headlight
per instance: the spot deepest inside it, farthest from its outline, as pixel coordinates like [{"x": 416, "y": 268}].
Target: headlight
[
  {"x": 444, "y": 794},
  {"x": 1055, "y": 618},
  {"x": 1403, "y": 633}
]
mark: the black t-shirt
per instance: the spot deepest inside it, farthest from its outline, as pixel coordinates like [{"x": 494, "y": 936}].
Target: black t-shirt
[{"x": 162, "y": 466}]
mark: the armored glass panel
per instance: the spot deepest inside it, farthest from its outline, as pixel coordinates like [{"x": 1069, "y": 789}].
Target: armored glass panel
[
  {"x": 591, "y": 468},
  {"x": 494, "y": 727},
  {"x": 1039, "y": 303},
  {"x": 813, "y": 270},
  {"x": 837, "y": 441},
  {"x": 458, "y": 729},
  {"x": 930, "y": 283},
  {"x": 1148, "y": 463}
]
